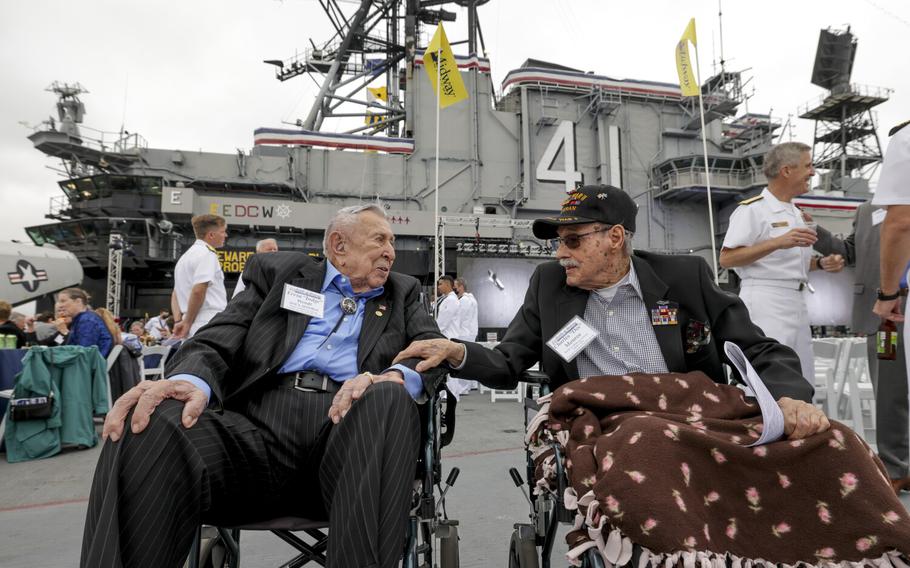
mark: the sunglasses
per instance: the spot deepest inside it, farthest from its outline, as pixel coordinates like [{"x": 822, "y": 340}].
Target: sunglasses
[{"x": 574, "y": 241}]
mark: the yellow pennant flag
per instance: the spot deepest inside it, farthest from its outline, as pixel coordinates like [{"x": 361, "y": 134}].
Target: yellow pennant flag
[
  {"x": 687, "y": 83},
  {"x": 377, "y": 94},
  {"x": 451, "y": 88}
]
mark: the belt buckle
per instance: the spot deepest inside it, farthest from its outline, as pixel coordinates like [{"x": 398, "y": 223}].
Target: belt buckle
[{"x": 297, "y": 386}]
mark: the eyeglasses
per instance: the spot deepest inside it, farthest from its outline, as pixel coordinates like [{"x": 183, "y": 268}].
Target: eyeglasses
[{"x": 574, "y": 241}]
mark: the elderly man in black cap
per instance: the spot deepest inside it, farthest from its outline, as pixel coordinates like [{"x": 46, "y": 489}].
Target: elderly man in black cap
[{"x": 601, "y": 309}]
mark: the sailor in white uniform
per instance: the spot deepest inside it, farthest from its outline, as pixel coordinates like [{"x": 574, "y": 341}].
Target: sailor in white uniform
[{"x": 769, "y": 245}]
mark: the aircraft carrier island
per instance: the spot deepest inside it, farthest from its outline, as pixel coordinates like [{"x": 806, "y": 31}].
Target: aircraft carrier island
[{"x": 507, "y": 154}]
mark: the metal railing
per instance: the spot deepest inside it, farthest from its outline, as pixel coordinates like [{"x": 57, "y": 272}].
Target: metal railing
[
  {"x": 695, "y": 176},
  {"x": 866, "y": 91}
]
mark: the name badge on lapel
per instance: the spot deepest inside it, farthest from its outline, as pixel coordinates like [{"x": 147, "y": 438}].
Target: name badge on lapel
[
  {"x": 569, "y": 341},
  {"x": 303, "y": 301},
  {"x": 664, "y": 314}
]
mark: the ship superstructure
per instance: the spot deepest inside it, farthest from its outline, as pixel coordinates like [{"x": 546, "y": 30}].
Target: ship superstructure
[{"x": 508, "y": 154}]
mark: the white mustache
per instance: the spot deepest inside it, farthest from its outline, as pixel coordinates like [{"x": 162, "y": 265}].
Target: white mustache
[{"x": 568, "y": 263}]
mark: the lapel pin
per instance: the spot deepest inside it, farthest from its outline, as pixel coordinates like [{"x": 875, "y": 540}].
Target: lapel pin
[{"x": 378, "y": 313}]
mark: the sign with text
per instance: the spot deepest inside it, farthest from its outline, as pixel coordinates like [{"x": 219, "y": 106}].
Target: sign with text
[{"x": 234, "y": 260}]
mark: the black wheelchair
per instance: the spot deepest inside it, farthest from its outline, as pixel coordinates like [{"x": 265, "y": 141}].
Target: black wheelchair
[
  {"x": 432, "y": 538},
  {"x": 531, "y": 544}
]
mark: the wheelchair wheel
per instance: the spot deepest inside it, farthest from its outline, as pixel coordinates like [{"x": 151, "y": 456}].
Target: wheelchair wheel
[
  {"x": 213, "y": 553},
  {"x": 522, "y": 548}
]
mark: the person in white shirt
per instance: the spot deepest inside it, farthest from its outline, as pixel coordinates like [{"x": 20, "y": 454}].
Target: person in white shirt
[
  {"x": 157, "y": 326},
  {"x": 769, "y": 244},
  {"x": 448, "y": 318},
  {"x": 263, "y": 246},
  {"x": 198, "y": 279},
  {"x": 893, "y": 193},
  {"x": 468, "y": 326}
]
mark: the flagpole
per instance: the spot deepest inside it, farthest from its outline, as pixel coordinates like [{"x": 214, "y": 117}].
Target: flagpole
[
  {"x": 704, "y": 145},
  {"x": 436, "y": 242}
]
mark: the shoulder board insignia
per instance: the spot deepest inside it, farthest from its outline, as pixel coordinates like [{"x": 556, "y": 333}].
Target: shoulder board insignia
[
  {"x": 211, "y": 248},
  {"x": 751, "y": 200}
]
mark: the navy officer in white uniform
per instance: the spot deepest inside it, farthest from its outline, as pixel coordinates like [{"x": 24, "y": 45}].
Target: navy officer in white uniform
[{"x": 769, "y": 245}]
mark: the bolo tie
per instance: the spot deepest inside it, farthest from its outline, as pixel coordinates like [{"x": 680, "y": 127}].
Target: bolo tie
[{"x": 348, "y": 307}]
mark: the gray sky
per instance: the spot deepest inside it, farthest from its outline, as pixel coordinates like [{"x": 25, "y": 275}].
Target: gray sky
[{"x": 188, "y": 74}]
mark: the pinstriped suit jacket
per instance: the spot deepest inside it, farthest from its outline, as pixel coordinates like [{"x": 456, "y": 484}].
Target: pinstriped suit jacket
[{"x": 254, "y": 336}]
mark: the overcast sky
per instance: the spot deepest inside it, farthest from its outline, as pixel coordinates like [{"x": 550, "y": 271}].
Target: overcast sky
[{"x": 188, "y": 74}]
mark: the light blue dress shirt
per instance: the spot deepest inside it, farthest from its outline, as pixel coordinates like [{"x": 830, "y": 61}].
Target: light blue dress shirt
[{"x": 324, "y": 351}]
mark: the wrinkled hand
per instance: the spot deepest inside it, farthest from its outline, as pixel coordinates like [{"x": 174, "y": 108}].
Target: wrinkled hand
[
  {"x": 798, "y": 237},
  {"x": 831, "y": 263},
  {"x": 181, "y": 329},
  {"x": 433, "y": 352},
  {"x": 890, "y": 309},
  {"x": 146, "y": 396},
  {"x": 353, "y": 389},
  {"x": 802, "y": 419}
]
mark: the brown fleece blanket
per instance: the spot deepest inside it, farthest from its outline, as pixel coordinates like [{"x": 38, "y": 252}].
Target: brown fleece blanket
[{"x": 663, "y": 461}]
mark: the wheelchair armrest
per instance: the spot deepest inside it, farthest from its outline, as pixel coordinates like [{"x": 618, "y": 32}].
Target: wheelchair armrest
[
  {"x": 434, "y": 379},
  {"x": 536, "y": 377}
]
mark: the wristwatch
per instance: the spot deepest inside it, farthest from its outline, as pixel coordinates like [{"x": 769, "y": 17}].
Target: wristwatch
[{"x": 887, "y": 297}]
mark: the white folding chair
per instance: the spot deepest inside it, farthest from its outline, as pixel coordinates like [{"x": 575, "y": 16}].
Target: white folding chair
[
  {"x": 856, "y": 387},
  {"x": 6, "y": 394},
  {"x": 111, "y": 359},
  {"x": 158, "y": 370},
  {"x": 827, "y": 353}
]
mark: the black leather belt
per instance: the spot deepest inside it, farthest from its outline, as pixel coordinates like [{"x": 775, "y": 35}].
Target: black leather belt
[{"x": 309, "y": 381}]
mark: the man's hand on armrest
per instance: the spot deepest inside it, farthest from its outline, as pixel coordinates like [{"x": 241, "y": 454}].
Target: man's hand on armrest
[
  {"x": 433, "y": 352},
  {"x": 802, "y": 419}
]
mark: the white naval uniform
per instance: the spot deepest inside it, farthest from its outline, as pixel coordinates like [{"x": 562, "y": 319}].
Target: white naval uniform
[
  {"x": 468, "y": 324},
  {"x": 448, "y": 319},
  {"x": 199, "y": 264},
  {"x": 894, "y": 186},
  {"x": 774, "y": 286}
]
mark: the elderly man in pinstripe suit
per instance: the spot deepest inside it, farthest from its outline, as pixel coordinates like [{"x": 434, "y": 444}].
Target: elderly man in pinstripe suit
[{"x": 286, "y": 403}]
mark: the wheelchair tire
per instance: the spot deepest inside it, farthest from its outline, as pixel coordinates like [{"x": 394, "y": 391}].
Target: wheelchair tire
[
  {"x": 213, "y": 553},
  {"x": 522, "y": 548}
]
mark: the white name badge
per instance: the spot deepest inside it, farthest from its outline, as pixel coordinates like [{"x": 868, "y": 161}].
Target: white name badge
[
  {"x": 878, "y": 216},
  {"x": 303, "y": 301},
  {"x": 569, "y": 341}
]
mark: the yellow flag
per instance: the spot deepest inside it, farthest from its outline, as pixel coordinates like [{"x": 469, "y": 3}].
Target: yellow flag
[
  {"x": 687, "y": 83},
  {"x": 451, "y": 88},
  {"x": 377, "y": 93},
  {"x": 374, "y": 118}
]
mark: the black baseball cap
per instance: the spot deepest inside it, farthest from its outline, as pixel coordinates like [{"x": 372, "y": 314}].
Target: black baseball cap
[{"x": 590, "y": 204}]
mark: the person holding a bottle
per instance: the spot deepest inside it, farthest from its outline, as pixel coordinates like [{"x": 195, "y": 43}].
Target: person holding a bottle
[
  {"x": 884, "y": 347},
  {"x": 893, "y": 195}
]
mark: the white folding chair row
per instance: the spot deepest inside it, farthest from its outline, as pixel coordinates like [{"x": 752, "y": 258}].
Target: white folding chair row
[{"x": 855, "y": 388}]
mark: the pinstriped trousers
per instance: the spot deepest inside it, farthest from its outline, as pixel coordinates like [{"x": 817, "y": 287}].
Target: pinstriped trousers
[{"x": 281, "y": 457}]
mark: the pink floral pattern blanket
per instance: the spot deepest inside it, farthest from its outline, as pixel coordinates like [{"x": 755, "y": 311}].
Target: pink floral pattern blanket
[{"x": 664, "y": 461}]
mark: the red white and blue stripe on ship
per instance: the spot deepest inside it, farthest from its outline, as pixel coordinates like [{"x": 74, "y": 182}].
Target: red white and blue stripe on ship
[
  {"x": 581, "y": 80},
  {"x": 828, "y": 202},
  {"x": 284, "y": 137},
  {"x": 464, "y": 62}
]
